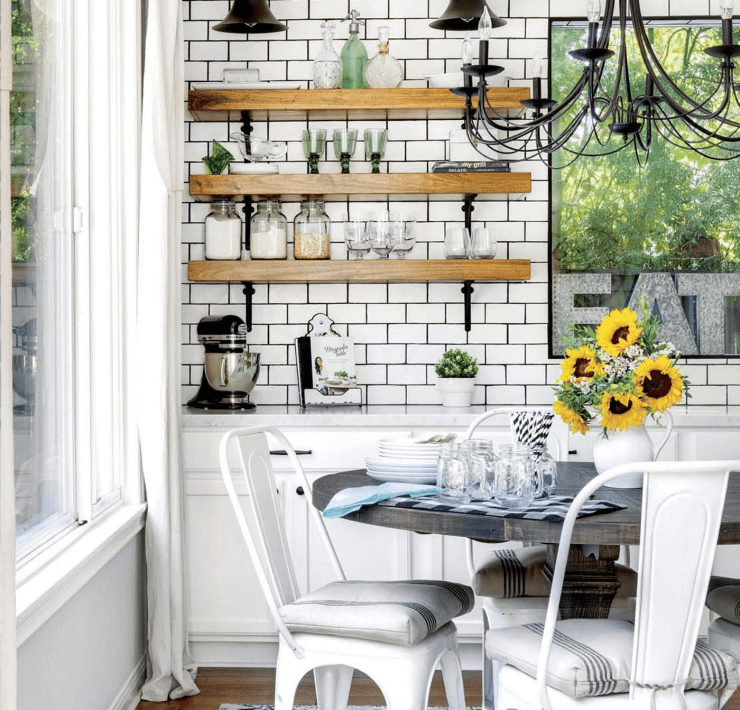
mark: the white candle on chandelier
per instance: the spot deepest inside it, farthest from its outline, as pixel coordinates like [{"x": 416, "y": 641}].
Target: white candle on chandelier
[
  {"x": 726, "y": 8},
  {"x": 537, "y": 74},
  {"x": 467, "y": 57},
  {"x": 593, "y": 12},
  {"x": 484, "y": 34}
]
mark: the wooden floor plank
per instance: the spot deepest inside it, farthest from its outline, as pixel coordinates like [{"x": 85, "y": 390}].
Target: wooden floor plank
[{"x": 256, "y": 686}]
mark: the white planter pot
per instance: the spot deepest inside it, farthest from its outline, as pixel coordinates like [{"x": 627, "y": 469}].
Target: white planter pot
[
  {"x": 456, "y": 391},
  {"x": 629, "y": 446}
]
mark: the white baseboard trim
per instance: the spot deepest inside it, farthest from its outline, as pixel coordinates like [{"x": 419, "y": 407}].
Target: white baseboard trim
[
  {"x": 260, "y": 650},
  {"x": 130, "y": 694}
]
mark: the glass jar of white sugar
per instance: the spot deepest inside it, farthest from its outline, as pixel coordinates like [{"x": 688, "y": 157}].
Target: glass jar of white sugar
[
  {"x": 223, "y": 229},
  {"x": 268, "y": 237}
]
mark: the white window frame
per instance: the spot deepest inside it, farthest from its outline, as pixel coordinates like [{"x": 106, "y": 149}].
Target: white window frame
[{"x": 105, "y": 225}]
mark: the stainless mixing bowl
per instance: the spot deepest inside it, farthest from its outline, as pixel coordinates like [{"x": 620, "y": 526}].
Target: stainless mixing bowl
[
  {"x": 24, "y": 376},
  {"x": 232, "y": 373}
]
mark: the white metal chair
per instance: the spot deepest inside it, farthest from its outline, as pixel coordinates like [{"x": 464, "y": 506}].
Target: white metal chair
[
  {"x": 508, "y": 581},
  {"x": 395, "y": 632},
  {"x": 656, "y": 662},
  {"x": 723, "y": 598}
]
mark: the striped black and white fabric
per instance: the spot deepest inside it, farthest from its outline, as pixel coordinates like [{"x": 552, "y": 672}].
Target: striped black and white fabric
[
  {"x": 532, "y": 428},
  {"x": 593, "y": 657},
  {"x": 510, "y": 573},
  {"x": 723, "y": 598},
  {"x": 551, "y": 510},
  {"x": 402, "y": 613}
]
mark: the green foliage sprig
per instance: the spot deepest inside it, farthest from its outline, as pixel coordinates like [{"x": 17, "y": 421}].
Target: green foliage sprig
[
  {"x": 456, "y": 363},
  {"x": 218, "y": 160}
]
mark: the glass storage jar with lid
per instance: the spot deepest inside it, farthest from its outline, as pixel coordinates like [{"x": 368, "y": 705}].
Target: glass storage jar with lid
[
  {"x": 223, "y": 228},
  {"x": 311, "y": 231},
  {"x": 269, "y": 232}
]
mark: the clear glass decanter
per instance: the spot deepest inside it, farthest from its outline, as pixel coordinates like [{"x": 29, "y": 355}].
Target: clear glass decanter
[
  {"x": 383, "y": 71},
  {"x": 327, "y": 67}
]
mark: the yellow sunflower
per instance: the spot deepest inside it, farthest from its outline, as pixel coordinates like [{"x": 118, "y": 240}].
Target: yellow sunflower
[
  {"x": 574, "y": 420},
  {"x": 619, "y": 411},
  {"x": 658, "y": 383},
  {"x": 580, "y": 363},
  {"x": 618, "y": 331}
]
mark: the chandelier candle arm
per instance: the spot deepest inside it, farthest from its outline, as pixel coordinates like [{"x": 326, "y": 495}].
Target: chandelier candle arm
[
  {"x": 726, "y": 8},
  {"x": 484, "y": 34}
]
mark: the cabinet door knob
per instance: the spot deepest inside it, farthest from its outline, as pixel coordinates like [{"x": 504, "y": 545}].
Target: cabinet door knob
[{"x": 300, "y": 491}]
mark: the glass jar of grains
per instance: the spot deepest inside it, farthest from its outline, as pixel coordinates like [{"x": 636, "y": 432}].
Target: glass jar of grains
[
  {"x": 269, "y": 232},
  {"x": 311, "y": 231}
]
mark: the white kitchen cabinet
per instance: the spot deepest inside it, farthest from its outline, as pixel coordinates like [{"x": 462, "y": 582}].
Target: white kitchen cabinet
[{"x": 229, "y": 623}]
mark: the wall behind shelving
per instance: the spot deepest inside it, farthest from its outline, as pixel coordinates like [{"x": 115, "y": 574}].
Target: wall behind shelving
[{"x": 400, "y": 329}]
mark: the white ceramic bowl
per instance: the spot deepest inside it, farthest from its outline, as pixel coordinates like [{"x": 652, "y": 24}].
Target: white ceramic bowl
[{"x": 446, "y": 81}]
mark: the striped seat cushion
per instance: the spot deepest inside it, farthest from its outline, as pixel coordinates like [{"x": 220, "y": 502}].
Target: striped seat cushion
[
  {"x": 508, "y": 573},
  {"x": 723, "y": 598},
  {"x": 402, "y": 613},
  {"x": 593, "y": 657}
]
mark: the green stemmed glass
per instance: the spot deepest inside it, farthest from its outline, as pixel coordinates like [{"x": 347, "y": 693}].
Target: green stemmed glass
[
  {"x": 314, "y": 140},
  {"x": 375, "y": 141},
  {"x": 345, "y": 142}
]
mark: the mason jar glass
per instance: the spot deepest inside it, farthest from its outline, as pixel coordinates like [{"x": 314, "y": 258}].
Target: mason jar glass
[
  {"x": 482, "y": 465},
  {"x": 454, "y": 473},
  {"x": 514, "y": 477}
]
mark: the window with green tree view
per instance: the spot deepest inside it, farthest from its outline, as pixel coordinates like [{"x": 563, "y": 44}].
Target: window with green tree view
[{"x": 664, "y": 226}]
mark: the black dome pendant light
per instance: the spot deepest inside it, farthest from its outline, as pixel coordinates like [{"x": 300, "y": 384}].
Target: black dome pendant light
[
  {"x": 250, "y": 17},
  {"x": 463, "y": 15}
]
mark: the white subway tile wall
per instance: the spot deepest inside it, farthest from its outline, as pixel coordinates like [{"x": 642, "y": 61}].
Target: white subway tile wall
[{"x": 400, "y": 330}]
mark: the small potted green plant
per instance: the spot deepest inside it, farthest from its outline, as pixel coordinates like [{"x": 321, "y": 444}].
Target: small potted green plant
[{"x": 456, "y": 373}]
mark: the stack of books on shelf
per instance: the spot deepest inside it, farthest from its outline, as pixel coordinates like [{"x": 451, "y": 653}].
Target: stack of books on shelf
[{"x": 471, "y": 166}]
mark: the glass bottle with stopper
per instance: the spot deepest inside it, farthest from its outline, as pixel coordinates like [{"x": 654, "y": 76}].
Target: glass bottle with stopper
[
  {"x": 353, "y": 55},
  {"x": 383, "y": 71},
  {"x": 327, "y": 67}
]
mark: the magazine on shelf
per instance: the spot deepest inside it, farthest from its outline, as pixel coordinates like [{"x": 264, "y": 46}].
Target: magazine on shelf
[
  {"x": 471, "y": 166},
  {"x": 325, "y": 362}
]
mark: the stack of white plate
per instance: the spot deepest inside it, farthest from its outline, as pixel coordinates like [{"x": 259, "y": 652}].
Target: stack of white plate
[{"x": 404, "y": 461}]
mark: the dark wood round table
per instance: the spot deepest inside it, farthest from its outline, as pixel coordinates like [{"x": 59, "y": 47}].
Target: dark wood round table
[{"x": 590, "y": 583}]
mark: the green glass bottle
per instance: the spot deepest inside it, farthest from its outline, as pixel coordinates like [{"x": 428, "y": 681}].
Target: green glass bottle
[{"x": 353, "y": 55}]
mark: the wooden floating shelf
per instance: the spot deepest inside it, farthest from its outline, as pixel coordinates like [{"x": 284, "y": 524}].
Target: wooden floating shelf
[
  {"x": 360, "y": 271},
  {"x": 209, "y": 105},
  {"x": 204, "y": 187}
]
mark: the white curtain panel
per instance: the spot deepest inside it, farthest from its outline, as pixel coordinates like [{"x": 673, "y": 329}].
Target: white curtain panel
[
  {"x": 7, "y": 483},
  {"x": 170, "y": 669}
]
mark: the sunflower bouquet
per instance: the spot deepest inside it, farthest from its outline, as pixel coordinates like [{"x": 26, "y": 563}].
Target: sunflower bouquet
[{"x": 617, "y": 374}]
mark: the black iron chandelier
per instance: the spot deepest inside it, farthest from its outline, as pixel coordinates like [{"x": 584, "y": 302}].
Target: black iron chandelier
[{"x": 605, "y": 111}]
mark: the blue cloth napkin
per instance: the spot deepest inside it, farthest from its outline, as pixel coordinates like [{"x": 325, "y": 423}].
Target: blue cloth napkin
[{"x": 351, "y": 499}]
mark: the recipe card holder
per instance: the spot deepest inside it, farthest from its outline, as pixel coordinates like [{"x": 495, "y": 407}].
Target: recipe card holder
[{"x": 325, "y": 362}]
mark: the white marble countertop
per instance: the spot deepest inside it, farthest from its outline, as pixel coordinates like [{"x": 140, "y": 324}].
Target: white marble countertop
[{"x": 408, "y": 416}]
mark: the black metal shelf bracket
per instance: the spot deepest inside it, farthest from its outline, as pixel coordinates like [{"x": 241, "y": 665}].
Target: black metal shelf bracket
[
  {"x": 468, "y": 209},
  {"x": 248, "y": 293},
  {"x": 467, "y": 291}
]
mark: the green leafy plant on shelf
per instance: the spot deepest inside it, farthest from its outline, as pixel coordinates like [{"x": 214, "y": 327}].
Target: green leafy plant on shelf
[
  {"x": 457, "y": 363},
  {"x": 218, "y": 160}
]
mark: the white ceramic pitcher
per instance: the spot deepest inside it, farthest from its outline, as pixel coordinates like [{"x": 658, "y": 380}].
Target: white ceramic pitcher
[{"x": 632, "y": 444}]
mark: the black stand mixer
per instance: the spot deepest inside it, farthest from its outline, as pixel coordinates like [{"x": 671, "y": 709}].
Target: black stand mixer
[{"x": 229, "y": 370}]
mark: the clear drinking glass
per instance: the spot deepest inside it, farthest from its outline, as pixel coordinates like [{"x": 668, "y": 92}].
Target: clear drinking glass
[
  {"x": 482, "y": 468},
  {"x": 457, "y": 242},
  {"x": 345, "y": 142},
  {"x": 314, "y": 141},
  {"x": 514, "y": 484},
  {"x": 548, "y": 469},
  {"x": 405, "y": 226},
  {"x": 453, "y": 473},
  {"x": 383, "y": 235},
  {"x": 483, "y": 244},
  {"x": 355, "y": 236},
  {"x": 375, "y": 142}
]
